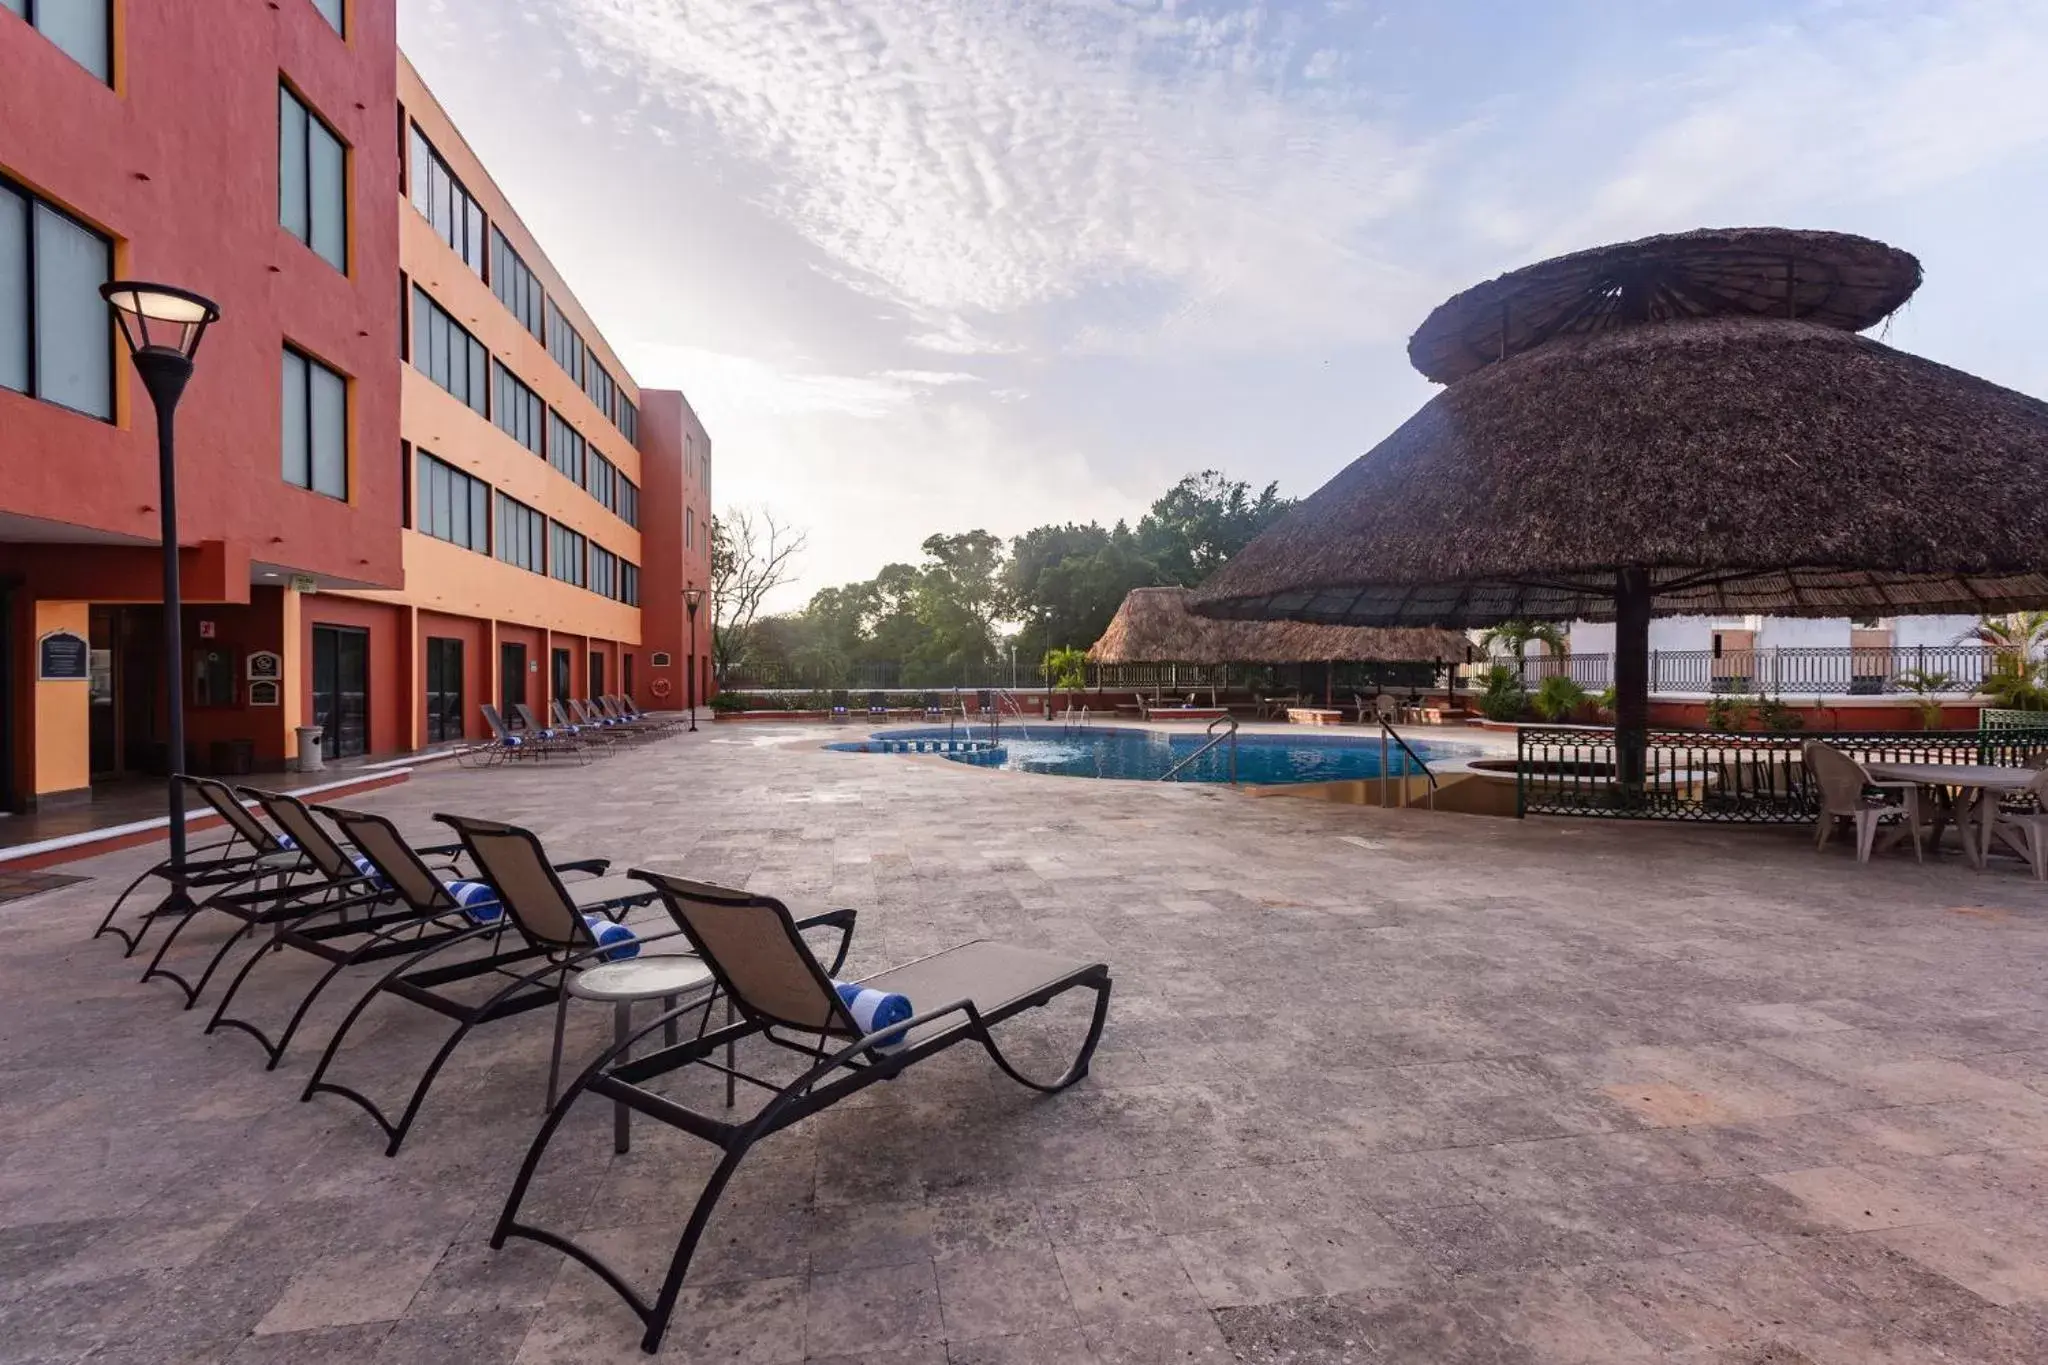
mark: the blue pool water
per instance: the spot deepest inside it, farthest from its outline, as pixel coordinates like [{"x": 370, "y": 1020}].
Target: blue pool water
[{"x": 1146, "y": 755}]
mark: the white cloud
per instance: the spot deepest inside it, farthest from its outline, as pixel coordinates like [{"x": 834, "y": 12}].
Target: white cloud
[{"x": 981, "y": 160}]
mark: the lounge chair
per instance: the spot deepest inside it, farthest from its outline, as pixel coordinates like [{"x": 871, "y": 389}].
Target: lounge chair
[
  {"x": 1847, "y": 792},
  {"x": 566, "y": 740},
  {"x": 600, "y": 718},
  {"x": 582, "y": 725},
  {"x": 276, "y": 889},
  {"x": 248, "y": 852},
  {"x": 534, "y": 743},
  {"x": 410, "y": 904},
  {"x": 549, "y": 930},
  {"x": 786, "y": 997},
  {"x": 878, "y": 706},
  {"x": 622, "y": 710}
]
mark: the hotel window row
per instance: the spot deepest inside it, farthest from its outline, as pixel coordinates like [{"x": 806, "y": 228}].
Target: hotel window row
[
  {"x": 445, "y": 352},
  {"x": 459, "y": 221},
  {"x": 457, "y": 218},
  {"x": 312, "y": 179},
  {"x": 451, "y": 505},
  {"x": 56, "y": 337}
]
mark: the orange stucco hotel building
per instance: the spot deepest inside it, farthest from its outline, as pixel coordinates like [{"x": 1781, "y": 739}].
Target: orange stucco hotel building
[{"x": 413, "y": 475}]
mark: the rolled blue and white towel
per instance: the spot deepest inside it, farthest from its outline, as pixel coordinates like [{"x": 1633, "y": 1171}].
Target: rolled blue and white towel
[
  {"x": 367, "y": 870},
  {"x": 622, "y": 941},
  {"x": 479, "y": 901},
  {"x": 873, "y": 1010}
]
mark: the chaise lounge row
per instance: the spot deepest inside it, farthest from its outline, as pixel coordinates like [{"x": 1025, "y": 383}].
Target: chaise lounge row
[{"x": 488, "y": 928}]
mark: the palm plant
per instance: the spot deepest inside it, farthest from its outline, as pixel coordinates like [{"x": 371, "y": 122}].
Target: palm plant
[
  {"x": 1924, "y": 684},
  {"x": 2024, "y": 631},
  {"x": 1515, "y": 637},
  {"x": 2015, "y": 683},
  {"x": 1067, "y": 669},
  {"x": 1558, "y": 698}
]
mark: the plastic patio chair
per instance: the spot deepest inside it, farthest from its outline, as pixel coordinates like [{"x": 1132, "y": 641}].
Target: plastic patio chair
[
  {"x": 1847, "y": 792},
  {"x": 786, "y": 998}
]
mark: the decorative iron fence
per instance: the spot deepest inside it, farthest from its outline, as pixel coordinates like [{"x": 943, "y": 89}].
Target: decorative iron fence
[
  {"x": 1733, "y": 778},
  {"x": 1931, "y": 670},
  {"x": 1340, "y": 679}
]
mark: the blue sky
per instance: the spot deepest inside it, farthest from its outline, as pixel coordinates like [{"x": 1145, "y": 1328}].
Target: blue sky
[{"x": 930, "y": 265}]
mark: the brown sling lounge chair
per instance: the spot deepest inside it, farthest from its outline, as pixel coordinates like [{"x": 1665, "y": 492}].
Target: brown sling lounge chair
[{"x": 787, "y": 998}]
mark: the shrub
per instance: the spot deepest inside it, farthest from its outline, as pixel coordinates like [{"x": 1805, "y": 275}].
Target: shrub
[
  {"x": 1731, "y": 712},
  {"x": 1558, "y": 698},
  {"x": 1501, "y": 694},
  {"x": 727, "y": 702},
  {"x": 1778, "y": 717}
]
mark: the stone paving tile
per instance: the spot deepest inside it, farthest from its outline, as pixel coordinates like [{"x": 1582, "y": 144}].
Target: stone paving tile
[{"x": 1376, "y": 1086}]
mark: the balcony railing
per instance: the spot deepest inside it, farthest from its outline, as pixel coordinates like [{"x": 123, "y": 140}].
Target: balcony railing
[{"x": 1937, "y": 670}]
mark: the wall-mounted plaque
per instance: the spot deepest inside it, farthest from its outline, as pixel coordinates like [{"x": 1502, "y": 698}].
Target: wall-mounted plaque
[
  {"x": 661, "y": 658},
  {"x": 263, "y": 694},
  {"x": 63, "y": 657},
  {"x": 265, "y": 665}
]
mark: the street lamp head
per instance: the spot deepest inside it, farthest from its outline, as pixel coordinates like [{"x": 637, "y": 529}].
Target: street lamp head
[
  {"x": 157, "y": 319},
  {"x": 693, "y": 597}
]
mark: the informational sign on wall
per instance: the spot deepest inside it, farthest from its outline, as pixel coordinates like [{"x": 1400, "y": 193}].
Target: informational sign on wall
[
  {"x": 661, "y": 658},
  {"x": 63, "y": 657},
  {"x": 208, "y": 630},
  {"x": 263, "y": 694},
  {"x": 304, "y": 582},
  {"x": 265, "y": 666}
]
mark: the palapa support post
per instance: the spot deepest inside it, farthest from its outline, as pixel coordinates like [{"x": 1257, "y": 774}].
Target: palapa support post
[{"x": 1632, "y": 597}]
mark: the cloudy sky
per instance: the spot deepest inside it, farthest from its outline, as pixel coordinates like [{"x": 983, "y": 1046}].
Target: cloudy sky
[{"x": 930, "y": 265}]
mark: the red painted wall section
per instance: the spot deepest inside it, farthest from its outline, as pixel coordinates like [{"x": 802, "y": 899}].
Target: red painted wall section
[
  {"x": 178, "y": 163},
  {"x": 671, "y": 489}
]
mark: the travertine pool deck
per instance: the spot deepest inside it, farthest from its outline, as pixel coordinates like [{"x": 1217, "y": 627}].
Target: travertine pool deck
[{"x": 1383, "y": 1087}]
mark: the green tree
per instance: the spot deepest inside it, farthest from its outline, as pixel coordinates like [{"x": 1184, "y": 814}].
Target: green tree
[
  {"x": 1513, "y": 638},
  {"x": 2024, "y": 631},
  {"x": 1202, "y": 521}
]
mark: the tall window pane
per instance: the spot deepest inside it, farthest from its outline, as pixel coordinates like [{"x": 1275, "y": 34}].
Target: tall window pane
[
  {"x": 297, "y": 435},
  {"x": 79, "y": 27},
  {"x": 327, "y": 169},
  {"x": 292, "y": 191},
  {"x": 330, "y": 431},
  {"x": 14, "y": 342},
  {"x": 332, "y": 12},
  {"x": 74, "y": 334}
]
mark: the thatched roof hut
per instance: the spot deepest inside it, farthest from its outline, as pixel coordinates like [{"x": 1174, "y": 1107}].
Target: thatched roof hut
[
  {"x": 1154, "y": 626},
  {"x": 1681, "y": 424},
  {"x": 1749, "y": 465}
]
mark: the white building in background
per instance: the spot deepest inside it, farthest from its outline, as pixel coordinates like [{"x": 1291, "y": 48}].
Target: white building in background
[{"x": 1792, "y": 657}]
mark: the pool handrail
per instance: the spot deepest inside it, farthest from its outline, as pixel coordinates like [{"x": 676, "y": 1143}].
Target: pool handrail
[
  {"x": 1214, "y": 739},
  {"x": 1387, "y": 732}
]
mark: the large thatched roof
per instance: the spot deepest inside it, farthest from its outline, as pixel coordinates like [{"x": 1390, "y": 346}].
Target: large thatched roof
[
  {"x": 1751, "y": 464},
  {"x": 1833, "y": 279},
  {"x": 1154, "y": 626}
]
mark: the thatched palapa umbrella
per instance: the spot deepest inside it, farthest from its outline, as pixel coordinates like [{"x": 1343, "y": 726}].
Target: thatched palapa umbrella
[
  {"x": 1154, "y": 626},
  {"x": 1680, "y": 425}
]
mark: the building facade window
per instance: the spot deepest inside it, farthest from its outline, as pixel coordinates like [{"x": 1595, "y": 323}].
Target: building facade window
[
  {"x": 604, "y": 572},
  {"x": 600, "y": 478},
  {"x": 565, "y": 446},
  {"x": 315, "y": 436},
  {"x": 445, "y": 352},
  {"x": 597, "y": 383},
  {"x": 335, "y": 12},
  {"x": 521, "y": 535},
  {"x": 516, "y": 286},
  {"x": 565, "y": 344},
  {"x": 565, "y": 554},
  {"x": 628, "y": 506},
  {"x": 56, "y": 338},
  {"x": 81, "y": 29},
  {"x": 312, "y": 180},
  {"x": 689, "y": 528},
  {"x": 452, "y": 506},
  {"x": 629, "y": 420},
  {"x": 458, "y": 219},
  {"x": 517, "y": 409},
  {"x": 629, "y": 593}
]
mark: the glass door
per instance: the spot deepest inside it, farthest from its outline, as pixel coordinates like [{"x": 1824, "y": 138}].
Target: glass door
[
  {"x": 564, "y": 671},
  {"x": 596, "y": 677},
  {"x": 341, "y": 690},
  {"x": 511, "y": 681},
  {"x": 444, "y": 689}
]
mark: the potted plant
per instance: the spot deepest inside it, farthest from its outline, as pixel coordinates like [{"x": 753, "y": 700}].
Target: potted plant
[
  {"x": 1924, "y": 685},
  {"x": 1501, "y": 694},
  {"x": 1559, "y": 699}
]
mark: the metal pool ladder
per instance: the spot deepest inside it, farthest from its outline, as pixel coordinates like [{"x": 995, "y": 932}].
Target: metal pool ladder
[
  {"x": 1229, "y": 736},
  {"x": 1388, "y": 732}
]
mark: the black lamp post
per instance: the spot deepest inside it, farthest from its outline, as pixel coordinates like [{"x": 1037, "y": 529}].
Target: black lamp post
[
  {"x": 162, "y": 327},
  {"x": 693, "y": 597}
]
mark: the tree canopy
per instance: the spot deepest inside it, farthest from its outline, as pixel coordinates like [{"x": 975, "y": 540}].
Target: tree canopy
[{"x": 955, "y": 616}]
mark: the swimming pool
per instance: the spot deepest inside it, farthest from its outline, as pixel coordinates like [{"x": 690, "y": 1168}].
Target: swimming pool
[{"x": 1147, "y": 755}]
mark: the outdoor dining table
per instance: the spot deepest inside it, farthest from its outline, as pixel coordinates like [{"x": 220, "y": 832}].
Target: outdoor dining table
[{"x": 1980, "y": 783}]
